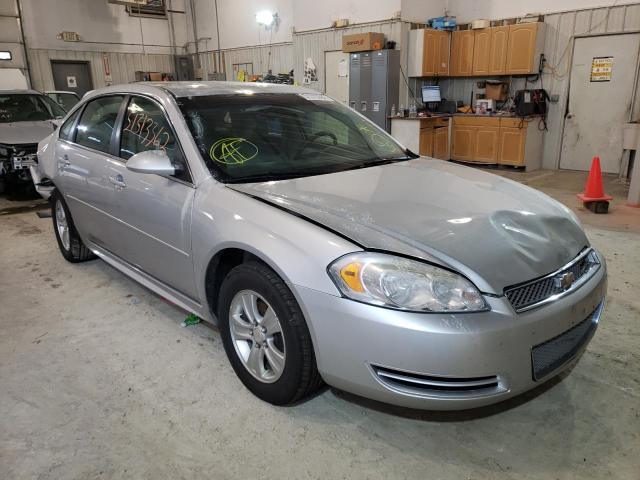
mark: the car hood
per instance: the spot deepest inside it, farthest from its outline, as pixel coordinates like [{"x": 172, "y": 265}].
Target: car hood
[
  {"x": 25, "y": 132},
  {"x": 493, "y": 230}
]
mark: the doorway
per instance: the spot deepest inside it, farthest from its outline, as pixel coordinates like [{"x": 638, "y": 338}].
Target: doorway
[
  {"x": 72, "y": 76},
  {"x": 336, "y": 75},
  {"x": 601, "y": 84}
]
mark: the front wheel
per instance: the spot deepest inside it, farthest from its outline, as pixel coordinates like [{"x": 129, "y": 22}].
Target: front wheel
[
  {"x": 69, "y": 241},
  {"x": 265, "y": 335}
]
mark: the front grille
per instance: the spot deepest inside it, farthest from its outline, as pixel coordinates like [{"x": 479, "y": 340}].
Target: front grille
[
  {"x": 552, "y": 354},
  {"x": 419, "y": 384},
  {"x": 535, "y": 293}
]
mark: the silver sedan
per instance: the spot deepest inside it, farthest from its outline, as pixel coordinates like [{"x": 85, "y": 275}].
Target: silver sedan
[{"x": 323, "y": 249}]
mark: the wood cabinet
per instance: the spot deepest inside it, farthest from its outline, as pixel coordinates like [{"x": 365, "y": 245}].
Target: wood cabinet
[
  {"x": 428, "y": 136},
  {"x": 426, "y": 141},
  {"x": 498, "y": 50},
  {"x": 428, "y": 53},
  {"x": 463, "y": 142},
  {"x": 441, "y": 143},
  {"x": 494, "y": 140},
  {"x": 508, "y": 50},
  {"x": 462, "y": 43},
  {"x": 524, "y": 46},
  {"x": 512, "y": 143},
  {"x": 487, "y": 142},
  {"x": 434, "y": 138},
  {"x": 482, "y": 51}
]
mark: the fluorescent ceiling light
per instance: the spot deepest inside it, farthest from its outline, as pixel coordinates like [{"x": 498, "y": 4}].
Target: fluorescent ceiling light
[{"x": 5, "y": 55}]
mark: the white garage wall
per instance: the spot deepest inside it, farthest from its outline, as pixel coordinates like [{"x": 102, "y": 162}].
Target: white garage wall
[
  {"x": 11, "y": 40},
  {"x": 466, "y": 10},
  {"x": 419, "y": 11},
  {"x": 310, "y": 14},
  {"x": 102, "y": 26}
]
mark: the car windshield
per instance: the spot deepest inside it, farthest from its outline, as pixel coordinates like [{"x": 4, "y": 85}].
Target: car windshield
[
  {"x": 265, "y": 136},
  {"x": 26, "y": 107},
  {"x": 65, "y": 100}
]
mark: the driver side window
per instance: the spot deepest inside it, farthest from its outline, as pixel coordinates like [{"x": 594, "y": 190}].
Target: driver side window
[{"x": 146, "y": 127}]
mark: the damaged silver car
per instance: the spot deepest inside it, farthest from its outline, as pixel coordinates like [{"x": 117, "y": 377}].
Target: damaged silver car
[
  {"x": 323, "y": 249},
  {"x": 26, "y": 117}
]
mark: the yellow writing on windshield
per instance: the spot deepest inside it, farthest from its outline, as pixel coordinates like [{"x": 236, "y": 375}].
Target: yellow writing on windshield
[{"x": 233, "y": 150}]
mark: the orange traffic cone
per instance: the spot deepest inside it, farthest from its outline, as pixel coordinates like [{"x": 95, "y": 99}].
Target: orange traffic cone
[
  {"x": 593, "y": 190},
  {"x": 594, "y": 197}
]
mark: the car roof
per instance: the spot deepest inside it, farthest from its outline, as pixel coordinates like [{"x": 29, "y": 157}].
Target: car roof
[{"x": 199, "y": 88}]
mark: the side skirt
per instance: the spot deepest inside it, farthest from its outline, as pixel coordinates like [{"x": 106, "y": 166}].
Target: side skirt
[{"x": 153, "y": 284}]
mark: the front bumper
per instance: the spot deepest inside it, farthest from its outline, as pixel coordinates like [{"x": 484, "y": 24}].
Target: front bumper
[{"x": 487, "y": 357}]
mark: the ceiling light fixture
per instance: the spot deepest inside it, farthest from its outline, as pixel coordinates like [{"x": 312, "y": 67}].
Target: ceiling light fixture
[{"x": 265, "y": 17}]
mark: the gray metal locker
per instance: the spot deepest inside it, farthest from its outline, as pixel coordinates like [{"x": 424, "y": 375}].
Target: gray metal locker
[
  {"x": 385, "y": 83},
  {"x": 373, "y": 84}
]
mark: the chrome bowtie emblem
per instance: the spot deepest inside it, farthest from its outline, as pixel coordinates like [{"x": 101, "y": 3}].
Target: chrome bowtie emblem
[{"x": 564, "y": 281}]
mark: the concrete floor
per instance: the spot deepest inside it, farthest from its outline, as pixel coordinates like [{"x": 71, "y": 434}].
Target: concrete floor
[{"x": 98, "y": 380}]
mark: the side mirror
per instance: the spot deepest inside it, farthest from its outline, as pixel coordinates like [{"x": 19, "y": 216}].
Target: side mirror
[{"x": 151, "y": 161}]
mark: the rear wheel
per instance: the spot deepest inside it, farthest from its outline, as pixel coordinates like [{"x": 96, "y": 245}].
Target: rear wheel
[
  {"x": 69, "y": 241},
  {"x": 265, "y": 335}
]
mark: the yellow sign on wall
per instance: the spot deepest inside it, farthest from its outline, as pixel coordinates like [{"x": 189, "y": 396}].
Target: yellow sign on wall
[{"x": 601, "y": 69}]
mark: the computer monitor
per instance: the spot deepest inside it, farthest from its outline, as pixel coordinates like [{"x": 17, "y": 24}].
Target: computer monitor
[{"x": 430, "y": 94}]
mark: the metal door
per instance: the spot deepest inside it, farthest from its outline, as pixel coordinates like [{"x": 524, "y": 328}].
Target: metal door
[
  {"x": 72, "y": 76},
  {"x": 336, "y": 71},
  {"x": 599, "y": 102}
]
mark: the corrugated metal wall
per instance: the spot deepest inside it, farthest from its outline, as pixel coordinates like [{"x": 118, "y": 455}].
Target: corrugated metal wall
[
  {"x": 313, "y": 45},
  {"x": 123, "y": 65},
  {"x": 278, "y": 58},
  {"x": 560, "y": 32}
]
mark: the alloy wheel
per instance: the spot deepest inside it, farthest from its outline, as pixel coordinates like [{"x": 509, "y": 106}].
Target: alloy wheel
[
  {"x": 62, "y": 226},
  {"x": 257, "y": 336}
]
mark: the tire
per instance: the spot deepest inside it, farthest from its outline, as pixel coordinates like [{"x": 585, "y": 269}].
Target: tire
[
  {"x": 70, "y": 243},
  {"x": 299, "y": 376}
]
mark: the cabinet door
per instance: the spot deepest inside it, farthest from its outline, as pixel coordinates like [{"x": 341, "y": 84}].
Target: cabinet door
[
  {"x": 521, "y": 48},
  {"x": 487, "y": 142},
  {"x": 512, "y": 142},
  {"x": 464, "y": 141},
  {"x": 481, "y": 51},
  {"x": 441, "y": 143},
  {"x": 462, "y": 53},
  {"x": 444, "y": 48},
  {"x": 498, "y": 50},
  {"x": 426, "y": 141},
  {"x": 430, "y": 53}
]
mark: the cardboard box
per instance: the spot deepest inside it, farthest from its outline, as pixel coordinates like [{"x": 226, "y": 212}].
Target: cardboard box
[
  {"x": 496, "y": 91},
  {"x": 362, "y": 42},
  {"x": 155, "y": 76}
]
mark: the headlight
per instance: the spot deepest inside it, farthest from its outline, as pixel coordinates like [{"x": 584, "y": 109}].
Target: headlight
[{"x": 404, "y": 284}]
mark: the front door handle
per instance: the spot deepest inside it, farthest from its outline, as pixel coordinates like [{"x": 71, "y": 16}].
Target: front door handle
[{"x": 118, "y": 181}]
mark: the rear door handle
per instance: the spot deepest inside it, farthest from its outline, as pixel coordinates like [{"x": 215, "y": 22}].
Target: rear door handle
[{"x": 118, "y": 181}]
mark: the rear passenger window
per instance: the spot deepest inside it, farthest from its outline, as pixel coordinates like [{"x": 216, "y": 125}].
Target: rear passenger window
[
  {"x": 66, "y": 131},
  {"x": 97, "y": 123},
  {"x": 146, "y": 127}
]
